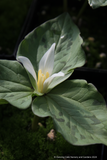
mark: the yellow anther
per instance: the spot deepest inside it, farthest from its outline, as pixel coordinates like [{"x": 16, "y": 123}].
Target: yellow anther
[
  {"x": 41, "y": 79},
  {"x": 47, "y": 75}
]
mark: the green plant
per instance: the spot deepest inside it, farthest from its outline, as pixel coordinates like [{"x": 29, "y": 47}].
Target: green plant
[{"x": 49, "y": 55}]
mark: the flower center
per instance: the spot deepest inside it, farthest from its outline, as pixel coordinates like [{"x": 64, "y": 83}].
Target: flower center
[{"x": 41, "y": 79}]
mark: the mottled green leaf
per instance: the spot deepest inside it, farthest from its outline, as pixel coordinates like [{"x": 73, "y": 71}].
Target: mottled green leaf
[
  {"x": 97, "y": 3},
  {"x": 15, "y": 86},
  {"x": 78, "y": 110},
  {"x": 68, "y": 51}
]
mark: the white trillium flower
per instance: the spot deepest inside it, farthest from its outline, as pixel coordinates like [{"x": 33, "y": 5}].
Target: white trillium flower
[{"x": 46, "y": 65}]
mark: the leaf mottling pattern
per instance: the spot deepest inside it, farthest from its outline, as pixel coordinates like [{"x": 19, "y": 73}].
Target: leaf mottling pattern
[
  {"x": 78, "y": 111},
  {"x": 15, "y": 86}
]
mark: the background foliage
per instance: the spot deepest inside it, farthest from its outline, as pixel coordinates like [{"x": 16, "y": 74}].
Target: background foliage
[
  {"x": 12, "y": 16},
  {"x": 18, "y": 142}
]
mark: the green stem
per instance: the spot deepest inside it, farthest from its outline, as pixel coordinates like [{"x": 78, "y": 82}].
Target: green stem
[
  {"x": 35, "y": 123},
  {"x": 82, "y": 9},
  {"x": 65, "y": 5}
]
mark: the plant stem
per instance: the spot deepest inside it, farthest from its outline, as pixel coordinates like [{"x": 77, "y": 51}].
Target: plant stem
[
  {"x": 65, "y": 5},
  {"x": 35, "y": 123},
  {"x": 82, "y": 9}
]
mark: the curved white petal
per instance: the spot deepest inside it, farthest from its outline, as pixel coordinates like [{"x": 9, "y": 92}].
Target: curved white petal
[
  {"x": 28, "y": 66},
  {"x": 49, "y": 80},
  {"x": 47, "y": 61}
]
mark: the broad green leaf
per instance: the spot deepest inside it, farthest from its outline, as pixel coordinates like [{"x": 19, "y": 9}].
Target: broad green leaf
[
  {"x": 15, "y": 86},
  {"x": 97, "y": 3},
  {"x": 104, "y": 4},
  {"x": 78, "y": 110},
  {"x": 68, "y": 51}
]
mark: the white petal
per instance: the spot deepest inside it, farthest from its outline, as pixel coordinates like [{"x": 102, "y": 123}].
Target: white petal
[
  {"x": 28, "y": 66},
  {"x": 49, "y": 80},
  {"x": 47, "y": 61}
]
